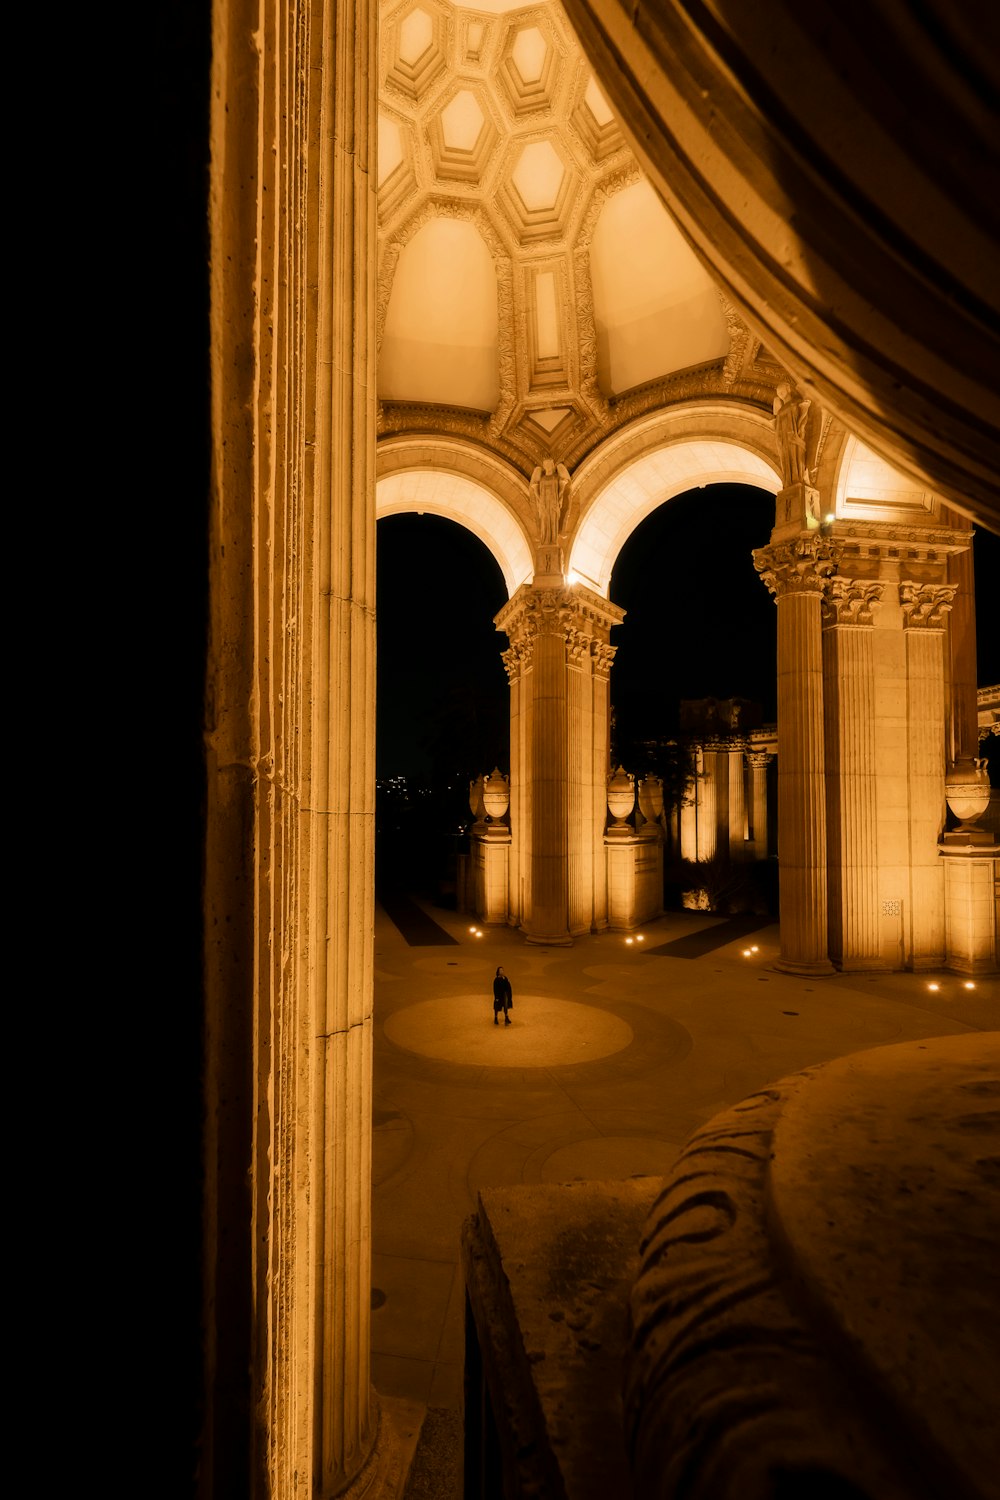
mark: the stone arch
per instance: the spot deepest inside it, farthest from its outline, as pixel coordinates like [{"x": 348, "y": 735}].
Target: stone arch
[
  {"x": 653, "y": 460},
  {"x": 470, "y": 487}
]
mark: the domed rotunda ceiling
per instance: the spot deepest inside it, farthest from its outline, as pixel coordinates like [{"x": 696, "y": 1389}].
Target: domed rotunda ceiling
[{"x": 534, "y": 294}]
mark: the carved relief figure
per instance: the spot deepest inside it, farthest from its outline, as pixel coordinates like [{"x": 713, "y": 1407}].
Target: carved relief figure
[
  {"x": 791, "y": 412},
  {"x": 549, "y": 488}
]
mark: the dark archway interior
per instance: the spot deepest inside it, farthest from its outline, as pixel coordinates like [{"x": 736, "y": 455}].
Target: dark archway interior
[
  {"x": 699, "y": 621},
  {"x": 443, "y": 708}
]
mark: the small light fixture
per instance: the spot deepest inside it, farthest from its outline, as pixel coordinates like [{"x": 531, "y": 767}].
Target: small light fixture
[
  {"x": 640, "y": 938},
  {"x": 969, "y": 985},
  {"x": 472, "y": 929},
  {"x": 755, "y": 949},
  {"x": 829, "y": 518},
  {"x": 628, "y": 940},
  {"x": 933, "y": 986},
  {"x": 478, "y": 933},
  {"x": 746, "y": 952}
]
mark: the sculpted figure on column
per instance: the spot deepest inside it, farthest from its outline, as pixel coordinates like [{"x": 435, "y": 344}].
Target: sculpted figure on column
[
  {"x": 791, "y": 412},
  {"x": 799, "y": 426},
  {"x": 549, "y": 488}
]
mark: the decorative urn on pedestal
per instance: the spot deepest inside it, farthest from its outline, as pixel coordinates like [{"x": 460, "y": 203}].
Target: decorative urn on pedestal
[
  {"x": 621, "y": 799},
  {"x": 496, "y": 795},
  {"x": 967, "y": 789},
  {"x": 651, "y": 797}
]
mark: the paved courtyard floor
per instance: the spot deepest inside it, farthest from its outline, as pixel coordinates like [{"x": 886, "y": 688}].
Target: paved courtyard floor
[{"x": 615, "y": 1055}]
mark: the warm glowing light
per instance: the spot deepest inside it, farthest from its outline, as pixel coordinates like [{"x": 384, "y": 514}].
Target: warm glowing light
[
  {"x": 628, "y": 940},
  {"x": 746, "y": 952},
  {"x": 640, "y": 938},
  {"x": 472, "y": 929},
  {"x": 755, "y": 949},
  {"x": 969, "y": 985},
  {"x": 829, "y": 519},
  {"x": 933, "y": 986},
  {"x": 478, "y": 934}
]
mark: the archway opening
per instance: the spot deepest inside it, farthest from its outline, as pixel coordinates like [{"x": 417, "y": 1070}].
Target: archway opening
[
  {"x": 442, "y": 705},
  {"x": 696, "y": 664}
]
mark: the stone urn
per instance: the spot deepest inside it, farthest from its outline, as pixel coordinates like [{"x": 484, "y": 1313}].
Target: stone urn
[
  {"x": 967, "y": 788},
  {"x": 476, "y": 803},
  {"x": 496, "y": 795},
  {"x": 621, "y": 797},
  {"x": 651, "y": 798}
]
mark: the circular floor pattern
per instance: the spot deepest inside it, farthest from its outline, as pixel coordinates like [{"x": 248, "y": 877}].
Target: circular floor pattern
[
  {"x": 544, "y": 1033},
  {"x": 609, "y": 1158}
]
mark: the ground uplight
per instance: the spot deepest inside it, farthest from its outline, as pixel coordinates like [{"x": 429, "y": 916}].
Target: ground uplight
[
  {"x": 968, "y": 985},
  {"x": 933, "y": 986},
  {"x": 628, "y": 940}
]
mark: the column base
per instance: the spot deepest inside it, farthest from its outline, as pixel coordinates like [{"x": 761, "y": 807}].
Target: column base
[
  {"x": 821, "y": 968},
  {"x": 563, "y": 940},
  {"x": 386, "y": 1469}
]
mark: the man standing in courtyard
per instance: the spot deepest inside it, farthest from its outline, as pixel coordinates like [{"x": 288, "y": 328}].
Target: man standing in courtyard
[{"x": 503, "y": 998}]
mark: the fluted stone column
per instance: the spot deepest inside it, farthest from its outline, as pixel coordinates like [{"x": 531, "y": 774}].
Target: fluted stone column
[
  {"x": 689, "y": 809},
  {"x": 517, "y": 662},
  {"x": 737, "y": 805},
  {"x": 560, "y": 655},
  {"x": 759, "y": 761},
  {"x": 602, "y": 656},
  {"x": 707, "y": 808},
  {"x": 925, "y": 607},
  {"x": 852, "y": 813},
  {"x": 963, "y": 725},
  {"x": 795, "y": 571},
  {"x": 293, "y": 261}
]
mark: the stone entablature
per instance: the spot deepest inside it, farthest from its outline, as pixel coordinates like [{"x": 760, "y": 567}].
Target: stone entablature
[{"x": 988, "y": 710}]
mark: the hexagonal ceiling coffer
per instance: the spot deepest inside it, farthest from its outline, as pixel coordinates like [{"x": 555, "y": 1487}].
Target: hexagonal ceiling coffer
[
  {"x": 529, "y": 68},
  {"x": 461, "y": 137},
  {"x": 538, "y": 177},
  {"x": 596, "y": 124},
  {"x": 417, "y": 47},
  {"x": 396, "y": 172},
  {"x": 538, "y": 191}
]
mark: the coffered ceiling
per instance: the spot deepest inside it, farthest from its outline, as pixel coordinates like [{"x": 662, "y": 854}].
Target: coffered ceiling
[{"x": 534, "y": 294}]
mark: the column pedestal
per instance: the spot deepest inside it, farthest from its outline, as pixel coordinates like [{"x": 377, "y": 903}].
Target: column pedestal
[{"x": 971, "y": 908}]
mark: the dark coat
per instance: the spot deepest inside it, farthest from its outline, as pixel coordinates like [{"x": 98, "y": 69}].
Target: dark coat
[{"x": 503, "y": 996}]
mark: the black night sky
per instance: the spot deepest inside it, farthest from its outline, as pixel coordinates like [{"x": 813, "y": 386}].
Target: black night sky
[{"x": 699, "y": 624}]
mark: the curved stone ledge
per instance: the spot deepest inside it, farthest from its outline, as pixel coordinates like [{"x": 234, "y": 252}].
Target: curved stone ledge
[{"x": 815, "y": 1310}]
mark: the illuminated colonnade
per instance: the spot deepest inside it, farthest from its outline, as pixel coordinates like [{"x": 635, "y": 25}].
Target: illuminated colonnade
[
  {"x": 868, "y": 657},
  {"x": 873, "y": 684}
]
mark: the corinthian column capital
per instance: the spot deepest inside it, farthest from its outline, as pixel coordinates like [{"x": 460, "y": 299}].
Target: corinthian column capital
[
  {"x": 848, "y": 601},
  {"x": 799, "y": 566},
  {"x": 925, "y": 605}
]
